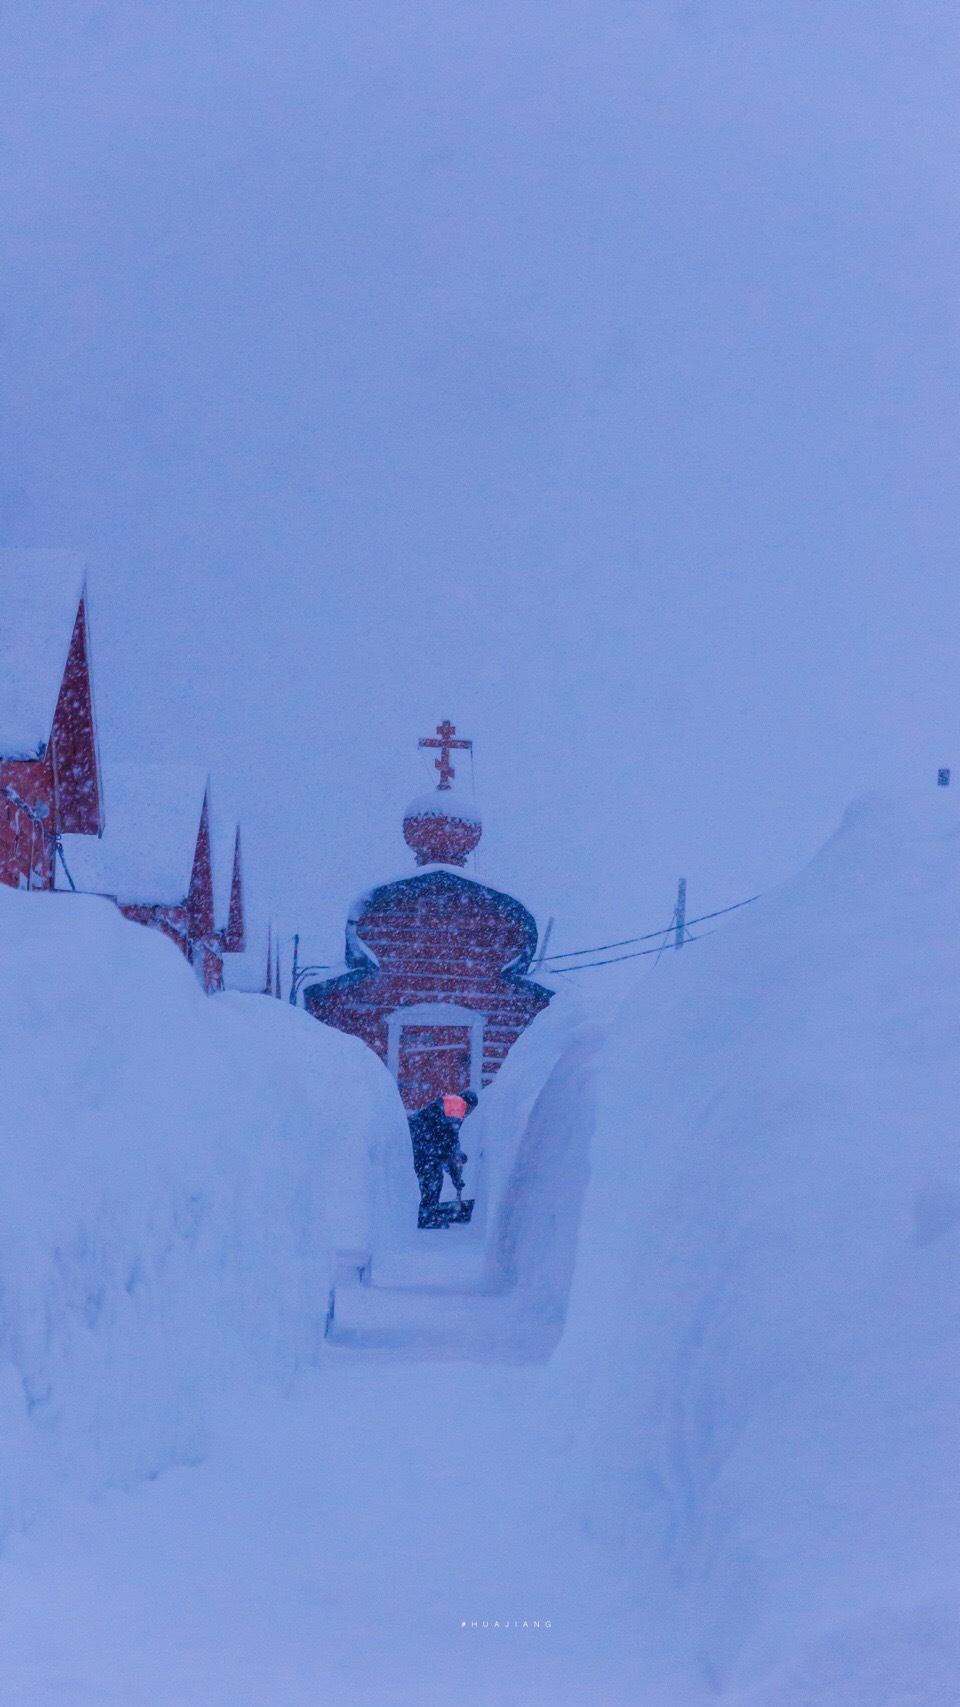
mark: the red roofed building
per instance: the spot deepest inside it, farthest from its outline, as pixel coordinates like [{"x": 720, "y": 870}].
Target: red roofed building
[
  {"x": 49, "y": 766},
  {"x": 436, "y": 963},
  {"x": 167, "y": 861}
]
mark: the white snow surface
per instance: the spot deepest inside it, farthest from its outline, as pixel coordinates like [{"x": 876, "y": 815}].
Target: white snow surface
[
  {"x": 765, "y": 1312},
  {"x": 39, "y": 595},
  {"x": 166, "y": 1201},
  {"x": 151, "y": 820},
  {"x": 444, "y": 803},
  {"x": 736, "y": 1479}
]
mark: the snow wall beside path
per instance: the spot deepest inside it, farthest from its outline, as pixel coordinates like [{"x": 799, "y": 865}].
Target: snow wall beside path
[
  {"x": 764, "y": 1325},
  {"x": 173, "y": 1172}
]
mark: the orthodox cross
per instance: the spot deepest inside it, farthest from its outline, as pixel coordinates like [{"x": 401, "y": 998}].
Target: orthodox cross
[{"x": 446, "y": 732}]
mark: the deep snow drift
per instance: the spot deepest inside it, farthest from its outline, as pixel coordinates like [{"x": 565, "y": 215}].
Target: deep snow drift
[
  {"x": 738, "y": 1476},
  {"x": 766, "y": 1312},
  {"x": 171, "y": 1169}
]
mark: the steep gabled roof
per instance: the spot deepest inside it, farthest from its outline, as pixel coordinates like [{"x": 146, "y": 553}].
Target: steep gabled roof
[
  {"x": 224, "y": 833},
  {"x": 76, "y": 758},
  {"x": 235, "y": 933},
  {"x": 40, "y": 592},
  {"x": 149, "y": 847},
  {"x": 146, "y": 853}
]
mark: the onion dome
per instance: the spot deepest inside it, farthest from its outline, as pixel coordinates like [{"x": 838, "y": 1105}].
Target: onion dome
[{"x": 442, "y": 828}]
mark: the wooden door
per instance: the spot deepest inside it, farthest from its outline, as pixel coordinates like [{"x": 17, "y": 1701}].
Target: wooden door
[{"x": 434, "y": 1059}]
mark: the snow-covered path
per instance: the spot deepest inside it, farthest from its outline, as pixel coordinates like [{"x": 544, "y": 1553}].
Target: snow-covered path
[{"x": 327, "y": 1552}]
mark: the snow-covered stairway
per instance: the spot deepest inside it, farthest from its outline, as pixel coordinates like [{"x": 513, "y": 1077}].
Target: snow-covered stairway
[
  {"x": 433, "y": 1304},
  {"x": 428, "y": 1322}
]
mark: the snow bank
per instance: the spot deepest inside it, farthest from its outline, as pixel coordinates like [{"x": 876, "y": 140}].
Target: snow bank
[
  {"x": 174, "y": 1171},
  {"x": 530, "y": 1138},
  {"x": 764, "y": 1325}
]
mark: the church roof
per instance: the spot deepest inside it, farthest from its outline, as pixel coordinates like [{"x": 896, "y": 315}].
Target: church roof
[
  {"x": 145, "y": 855},
  {"x": 223, "y": 834},
  {"x": 39, "y": 595},
  {"x": 420, "y": 873},
  {"x": 442, "y": 878}
]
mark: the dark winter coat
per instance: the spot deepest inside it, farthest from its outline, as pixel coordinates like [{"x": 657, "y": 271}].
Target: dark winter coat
[{"x": 435, "y": 1137}]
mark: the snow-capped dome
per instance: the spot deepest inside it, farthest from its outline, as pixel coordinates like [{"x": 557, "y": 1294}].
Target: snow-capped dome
[
  {"x": 444, "y": 803},
  {"x": 442, "y": 827}
]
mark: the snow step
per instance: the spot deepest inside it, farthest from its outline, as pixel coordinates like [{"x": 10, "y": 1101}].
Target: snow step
[
  {"x": 439, "y": 1265},
  {"x": 429, "y": 1322}
]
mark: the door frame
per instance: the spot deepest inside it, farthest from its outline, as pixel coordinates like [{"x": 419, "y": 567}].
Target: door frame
[{"x": 438, "y": 1013}]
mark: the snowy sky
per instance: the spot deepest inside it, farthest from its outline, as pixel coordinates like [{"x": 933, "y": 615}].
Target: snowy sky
[{"x": 584, "y": 372}]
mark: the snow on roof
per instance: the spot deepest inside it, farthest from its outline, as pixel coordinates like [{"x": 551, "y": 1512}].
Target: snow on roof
[
  {"x": 39, "y": 595},
  {"x": 246, "y": 971},
  {"x": 444, "y": 803},
  {"x": 152, "y": 815},
  {"x": 462, "y": 876},
  {"x": 410, "y": 877},
  {"x": 420, "y": 872}
]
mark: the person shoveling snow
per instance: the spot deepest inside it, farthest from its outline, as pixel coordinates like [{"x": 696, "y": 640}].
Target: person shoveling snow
[{"x": 435, "y": 1133}]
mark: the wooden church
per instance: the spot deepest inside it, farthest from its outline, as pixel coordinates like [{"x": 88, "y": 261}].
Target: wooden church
[{"x": 436, "y": 963}]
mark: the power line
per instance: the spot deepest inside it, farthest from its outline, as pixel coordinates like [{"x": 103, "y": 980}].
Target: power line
[
  {"x": 637, "y": 954},
  {"x": 648, "y": 936}
]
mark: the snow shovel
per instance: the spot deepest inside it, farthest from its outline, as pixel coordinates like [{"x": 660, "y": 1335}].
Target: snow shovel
[{"x": 445, "y": 1214}]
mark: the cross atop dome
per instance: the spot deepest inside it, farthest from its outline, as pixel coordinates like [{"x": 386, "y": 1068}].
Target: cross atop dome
[
  {"x": 446, "y": 731},
  {"x": 443, "y": 827}
]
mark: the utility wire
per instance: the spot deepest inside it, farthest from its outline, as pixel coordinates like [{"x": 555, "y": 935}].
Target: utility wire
[
  {"x": 637, "y": 954},
  {"x": 662, "y": 946},
  {"x": 649, "y": 936}
]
